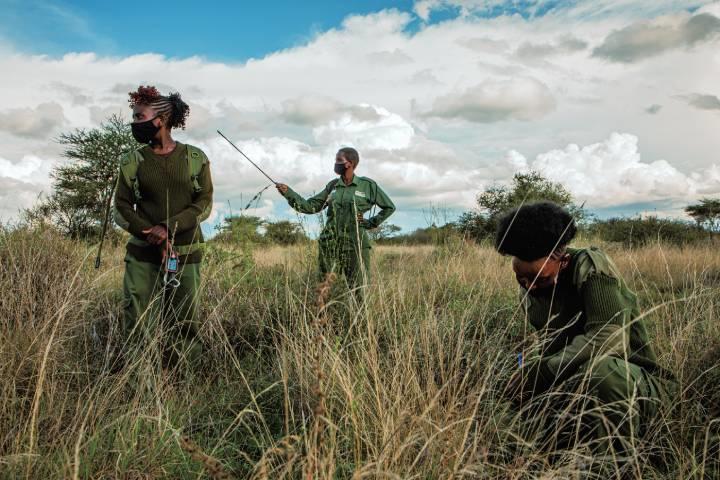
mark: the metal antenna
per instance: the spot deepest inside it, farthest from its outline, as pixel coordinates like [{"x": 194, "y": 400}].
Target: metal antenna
[{"x": 248, "y": 158}]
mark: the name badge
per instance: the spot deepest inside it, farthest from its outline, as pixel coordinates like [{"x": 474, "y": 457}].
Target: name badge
[{"x": 359, "y": 193}]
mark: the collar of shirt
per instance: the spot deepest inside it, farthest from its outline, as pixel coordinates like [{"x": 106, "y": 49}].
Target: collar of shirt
[{"x": 341, "y": 183}]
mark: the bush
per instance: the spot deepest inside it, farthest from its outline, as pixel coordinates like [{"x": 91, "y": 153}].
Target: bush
[
  {"x": 642, "y": 231},
  {"x": 284, "y": 232},
  {"x": 244, "y": 229},
  {"x": 432, "y": 235}
]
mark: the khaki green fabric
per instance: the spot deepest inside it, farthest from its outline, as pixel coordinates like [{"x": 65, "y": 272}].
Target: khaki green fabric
[
  {"x": 592, "y": 312},
  {"x": 148, "y": 305},
  {"x": 624, "y": 398},
  {"x": 168, "y": 196},
  {"x": 608, "y": 402},
  {"x": 590, "y": 330},
  {"x": 344, "y": 242},
  {"x": 354, "y": 265},
  {"x": 343, "y": 203}
]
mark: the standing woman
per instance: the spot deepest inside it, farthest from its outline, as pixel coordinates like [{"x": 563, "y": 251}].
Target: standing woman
[
  {"x": 344, "y": 242},
  {"x": 164, "y": 192}
]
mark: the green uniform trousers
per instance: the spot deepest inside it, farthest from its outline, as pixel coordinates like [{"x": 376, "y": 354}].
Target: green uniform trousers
[
  {"x": 353, "y": 264},
  {"x": 622, "y": 398},
  {"x": 627, "y": 397},
  {"x": 149, "y": 305}
]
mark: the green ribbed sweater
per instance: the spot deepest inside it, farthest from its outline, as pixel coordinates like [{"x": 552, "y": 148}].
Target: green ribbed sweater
[
  {"x": 167, "y": 198},
  {"x": 591, "y": 313}
]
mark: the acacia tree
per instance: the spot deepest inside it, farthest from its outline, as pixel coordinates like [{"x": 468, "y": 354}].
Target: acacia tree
[
  {"x": 706, "y": 213},
  {"x": 82, "y": 185},
  {"x": 525, "y": 188}
]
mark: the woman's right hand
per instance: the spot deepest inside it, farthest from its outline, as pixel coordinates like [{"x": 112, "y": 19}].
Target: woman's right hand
[{"x": 282, "y": 188}]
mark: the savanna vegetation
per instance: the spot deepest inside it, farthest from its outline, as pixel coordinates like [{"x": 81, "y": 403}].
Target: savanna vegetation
[{"x": 299, "y": 381}]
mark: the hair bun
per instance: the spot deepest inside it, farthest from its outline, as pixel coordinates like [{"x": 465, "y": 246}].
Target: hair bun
[{"x": 180, "y": 110}]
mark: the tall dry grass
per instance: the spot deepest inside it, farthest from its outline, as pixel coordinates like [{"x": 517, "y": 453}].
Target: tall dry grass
[{"x": 408, "y": 385}]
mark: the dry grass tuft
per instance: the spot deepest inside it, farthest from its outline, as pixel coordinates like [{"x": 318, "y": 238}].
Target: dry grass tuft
[{"x": 211, "y": 464}]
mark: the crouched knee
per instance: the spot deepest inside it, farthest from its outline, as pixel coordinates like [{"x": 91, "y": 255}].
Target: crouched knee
[{"x": 613, "y": 379}]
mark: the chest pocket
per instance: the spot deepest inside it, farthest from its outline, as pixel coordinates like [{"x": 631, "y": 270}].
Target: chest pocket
[
  {"x": 341, "y": 199},
  {"x": 361, "y": 200}
]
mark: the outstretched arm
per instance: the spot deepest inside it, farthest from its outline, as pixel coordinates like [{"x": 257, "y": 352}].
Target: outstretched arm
[{"x": 313, "y": 204}]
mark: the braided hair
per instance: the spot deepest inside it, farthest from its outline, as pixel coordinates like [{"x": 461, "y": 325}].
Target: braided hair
[{"x": 172, "y": 107}]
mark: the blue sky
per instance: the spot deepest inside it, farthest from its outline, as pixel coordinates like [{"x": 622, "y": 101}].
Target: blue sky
[
  {"x": 217, "y": 30},
  {"x": 616, "y": 99}
]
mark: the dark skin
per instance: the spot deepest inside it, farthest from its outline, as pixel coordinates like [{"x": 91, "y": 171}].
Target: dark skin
[
  {"x": 162, "y": 144},
  {"x": 346, "y": 177},
  {"x": 541, "y": 273},
  {"x": 533, "y": 276}
]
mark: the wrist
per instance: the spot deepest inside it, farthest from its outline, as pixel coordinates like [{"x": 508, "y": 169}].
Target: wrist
[{"x": 164, "y": 226}]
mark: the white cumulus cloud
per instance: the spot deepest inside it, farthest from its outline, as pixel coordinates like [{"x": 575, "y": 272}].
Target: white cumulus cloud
[
  {"x": 386, "y": 131},
  {"x": 39, "y": 122},
  {"x": 612, "y": 172},
  {"x": 496, "y": 100}
]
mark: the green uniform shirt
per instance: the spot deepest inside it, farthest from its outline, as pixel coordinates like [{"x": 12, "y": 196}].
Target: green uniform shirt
[
  {"x": 343, "y": 203},
  {"x": 591, "y": 313}
]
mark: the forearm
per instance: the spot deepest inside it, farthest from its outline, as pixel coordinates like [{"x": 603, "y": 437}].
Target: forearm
[
  {"x": 387, "y": 208},
  {"x": 381, "y": 216},
  {"x": 133, "y": 225},
  {"x": 189, "y": 218},
  {"x": 309, "y": 206},
  {"x": 556, "y": 368}
]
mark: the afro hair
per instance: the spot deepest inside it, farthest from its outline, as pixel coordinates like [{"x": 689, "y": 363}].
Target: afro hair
[
  {"x": 180, "y": 111},
  {"x": 534, "y": 231}
]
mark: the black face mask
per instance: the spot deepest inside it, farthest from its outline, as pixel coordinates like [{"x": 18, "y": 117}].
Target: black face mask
[
  {"x": 144, "y": 132},
  {"x": 340, "y": 168},
  {"x": 545, "y": 292}
]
